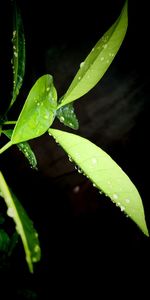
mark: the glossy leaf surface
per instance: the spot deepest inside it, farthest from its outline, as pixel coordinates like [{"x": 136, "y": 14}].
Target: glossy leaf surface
[
  {"x": 67, "y": 116},
  {"x": 18, "y": 60},
  {"x": 38, "y": 111},
  {"x": 25, "y": 148},
  {"x": 99, "y": 59},
  {"x": 24, "y": 225},
  {"x": 105, "y": 174}
]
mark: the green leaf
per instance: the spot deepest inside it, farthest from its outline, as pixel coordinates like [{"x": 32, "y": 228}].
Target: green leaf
[
  {"x": 24, "y": 225},
  {"x": 38, "y": 111},
  {"x": 25, "y": 148},
  {"x": 105, "y": 174},
  {"x": 67, "y": 116},
  {"x": 18, "y": 60},
  {"x": 99, "y": 59}
]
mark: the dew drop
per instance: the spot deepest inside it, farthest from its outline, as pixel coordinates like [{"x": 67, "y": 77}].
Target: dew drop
[
  {"x": 105, "y": 46},
  {"x": 102, "y": 58},
  {"x": 15, "y": 54},
  {"x": 127, "y": 200},
  {"x": 122, "y": 208},
  {"x": 71, "y": 124},
  {"x": 78, "y": 169},
  {"x": 36, "y": 248},
  {"x": 115, "y": 196},
  {"x": 46, "y": 117},
  {"x": 14, "y": 33},
  {"x": 62, "y": 119},
  {"x": 70, "y": 158},
  {"x": 10, "y": 212},
  {"x": 94, "y": 161},
  {"x": 47, "y": 89},
  {"x": 82, "y": 64},
  {"x": 79, "y": 77},
  {"x": 76, "y": 189},
  {"x": 34, "y": 259},
  {"x": 94, "y": 184}
]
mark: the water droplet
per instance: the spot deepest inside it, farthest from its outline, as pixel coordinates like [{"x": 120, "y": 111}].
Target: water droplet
[
  {"x": 47, "y": 89},
  {"x": 36, "y": 248},
  {"x": 79, "y": 77},
  {"x": 38, "y": 104},
  {"x": 46, "y": 117},
  {"x": 36, "y": 234},
  {"x": 15, "y": 54},
  {"x": 105, "y": 46},
  {"x": 94, "y": 161},
  {"x": 10, "y": 212},
  {"x": 122, "y": 208},
  {"x": 78, "y": 169},
  {"x": 107, "y": 61},
  {"x": 115, "y": 196},
  {"x": 127, "y": 200},
  {"x": 100, "y": 192},
  {"x": 82, "y": 64},
  {"x": 76, "y": 189},
  {"x": 71, "y": 124},
  {"x": 93, "y": 49},
  {"x": 102, "y": 58},
  {"x": 14, "y": 33},
  {"x": 34, "y": 259},
  {"x": 94, "y": 184},
  {"x": 62, "y": 119},
  {"x": 70, "y": 158}
]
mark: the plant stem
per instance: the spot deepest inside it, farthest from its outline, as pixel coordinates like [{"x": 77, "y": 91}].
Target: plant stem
[
  {"x": 5, "y": 147},
  {"x": 9, "y": 122}
]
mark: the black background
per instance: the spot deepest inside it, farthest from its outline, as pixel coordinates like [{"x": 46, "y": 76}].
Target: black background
[{"x": 88, "y": 245}]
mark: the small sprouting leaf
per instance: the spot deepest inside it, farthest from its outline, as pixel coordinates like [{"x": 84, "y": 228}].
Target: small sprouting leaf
[
  {"x": 18, "y": 60},
  {"x": 105, "y": 174},
  {"x": 38, "y": 111},
  {"x": 25, "y": 148},
  {"x": 67, "y": 116},
  {"x": 98, "y": 61},
  {"x": 24, "y": 225}
]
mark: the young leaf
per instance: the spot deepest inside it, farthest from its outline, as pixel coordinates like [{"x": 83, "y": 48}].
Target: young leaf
[
  {"x": 67, "y": 116},
  {"x": 24, "y": 225},
  {"x": 98, "y": 61},
  {"x": 18, "y": 60},
  {"x": 25, "y": 149},
  {"x": 38, "y": 111},
  {"x": 105, "y": 174}
]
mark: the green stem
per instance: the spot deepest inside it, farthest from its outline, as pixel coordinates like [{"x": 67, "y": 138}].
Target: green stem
[
  {"x": 5, "y": 147},
  {"x": 9, "y": 122}
]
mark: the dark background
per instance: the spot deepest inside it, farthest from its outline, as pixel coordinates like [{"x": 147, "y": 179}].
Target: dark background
[{"x": 87, "y": 244}]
